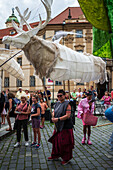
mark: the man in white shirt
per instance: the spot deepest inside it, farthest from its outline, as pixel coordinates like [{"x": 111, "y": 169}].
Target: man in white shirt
[
  {"x": 20, "y": 93},
  {"x": 79, "y": 95}
]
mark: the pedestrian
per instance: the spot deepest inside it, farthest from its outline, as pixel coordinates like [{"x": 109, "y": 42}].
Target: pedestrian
[
  {"x": 40, "y": 96},
  {"x": 63, "y": 138},
  {"x": 85, "y": 106},
  {"x": 39, "y": 91},
  {"x": 28, "y": 95},
  {"x": 107, "y": 99},
  {"x": 74, "y": 97},
  {"x": 12, "y": 106},
  {"x": 43, "y": 109},
  {"x": 2, "y": 104},
  {"x": 35, "y": 118},
  {"x": 6, "y": 100},
  {"x": 49, "y": 96},
  {"x": 19, "y": 93},
  {"x": 84, "y": 95},
  {"x": 22, "y": 112},
  {"x": 94, "y": 93},
  {"x": 79, "y": 95}
]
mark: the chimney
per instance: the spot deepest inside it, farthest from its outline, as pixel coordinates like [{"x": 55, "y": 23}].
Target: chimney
[{"x": 69, "y": 16}]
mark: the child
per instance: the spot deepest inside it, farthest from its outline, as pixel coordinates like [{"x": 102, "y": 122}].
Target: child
[
  {"x": 35, "y": 117},
  {"x": 43, "y": 109}
]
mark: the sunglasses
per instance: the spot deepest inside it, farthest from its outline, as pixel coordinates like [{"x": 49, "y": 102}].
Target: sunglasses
[{"x": 59, "y": 95}]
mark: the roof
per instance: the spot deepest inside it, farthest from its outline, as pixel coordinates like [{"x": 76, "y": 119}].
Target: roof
[{"x": 75, "y": 13}]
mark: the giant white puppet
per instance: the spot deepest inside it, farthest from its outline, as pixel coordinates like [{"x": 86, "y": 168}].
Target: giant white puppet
[{"x": 51, "y": 59}]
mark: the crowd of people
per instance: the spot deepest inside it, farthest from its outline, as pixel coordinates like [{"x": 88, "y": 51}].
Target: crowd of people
[{"x": 25, "y": 105}]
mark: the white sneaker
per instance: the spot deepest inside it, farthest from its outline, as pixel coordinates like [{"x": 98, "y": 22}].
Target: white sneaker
[
  {"x": 17, "y": 145},
  {"x": 26, "y": 143}
]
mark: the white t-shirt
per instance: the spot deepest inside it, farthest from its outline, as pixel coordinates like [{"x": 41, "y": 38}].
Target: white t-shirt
[{"x": 79, "y": 93}]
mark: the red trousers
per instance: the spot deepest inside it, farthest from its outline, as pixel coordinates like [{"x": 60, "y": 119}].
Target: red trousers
[{"x": 63, "y": 143}]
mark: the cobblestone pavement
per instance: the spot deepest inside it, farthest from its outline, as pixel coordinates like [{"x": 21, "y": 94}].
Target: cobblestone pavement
[{"x": 96, "y": 156}]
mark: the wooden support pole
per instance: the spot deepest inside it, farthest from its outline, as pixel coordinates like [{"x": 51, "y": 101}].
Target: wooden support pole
[
  {"x": 46, "y": 95},
  {"x": 69, "y": 89},
  {"x": 64, "y": 85},
  {"x": 103, "y": 125}
]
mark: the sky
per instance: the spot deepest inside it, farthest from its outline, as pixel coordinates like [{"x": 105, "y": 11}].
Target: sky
[{"x": 35, "y": 6}]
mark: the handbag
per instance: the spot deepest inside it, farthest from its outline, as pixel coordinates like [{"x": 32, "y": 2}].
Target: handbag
[{"x": 90, "y": 119}]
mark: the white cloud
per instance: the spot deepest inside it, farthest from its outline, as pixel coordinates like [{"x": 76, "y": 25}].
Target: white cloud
[{"x": 34, "y": 5}]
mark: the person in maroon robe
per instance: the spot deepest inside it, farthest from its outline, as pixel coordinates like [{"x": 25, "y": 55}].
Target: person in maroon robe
[{"x": 63, "y": 138}]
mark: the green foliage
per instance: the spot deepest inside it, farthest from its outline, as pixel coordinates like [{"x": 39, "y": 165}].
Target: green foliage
[{"x": 104, "y": 51}]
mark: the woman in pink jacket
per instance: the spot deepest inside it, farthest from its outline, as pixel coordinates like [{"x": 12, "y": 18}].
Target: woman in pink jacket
[{"x": 85, "y": 106}]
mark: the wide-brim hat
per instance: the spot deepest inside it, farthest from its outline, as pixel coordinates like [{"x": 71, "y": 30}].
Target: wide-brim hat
[
  {"x": 89, "y": 93},
  {"x": 23, "y": 95}
]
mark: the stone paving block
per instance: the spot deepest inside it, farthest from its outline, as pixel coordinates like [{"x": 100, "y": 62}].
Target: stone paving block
[
  {"x": 3, "y": 167},
  {"x": 43, "y": 166},
  {"x": 36, "y": 166},
  {"x": 51, "y": 167},
  {"x": 106, "y": 165},
  {"x": 75, "y": 167},
  {"x": 42, "y": 161},
  {"x": 90, "y": 166},
  {"x": 51, "y": 163},
  {"x": 27, "y": 164},
  {"x": 81, "y": 165},
  {"x": 86, "y": 161},
  {"x": 5, "y": 163},
  {"x": 12, "y": 165},
  {"x": 20, "y": 166},
  {"x": 100, "y": 168},
  {"x": 28, "y": 168}
]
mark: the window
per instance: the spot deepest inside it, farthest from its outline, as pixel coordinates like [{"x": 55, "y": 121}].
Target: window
[
  {"x": 19, "y": 83},
  {"x": 78, "y": 33},
  {"x": 7, "y": 46},
  {"x": 44, "y": 36},
  {"x": 58, "y": 83},
  {"x": 6, "y": 82},
  {"x": 80, "y": 51},
  {"x": 78, "y": 84},
  {"x": 19, "y": 60},
  {"x": 32, "y": 81},
  {"x": 12, "y": 32}
]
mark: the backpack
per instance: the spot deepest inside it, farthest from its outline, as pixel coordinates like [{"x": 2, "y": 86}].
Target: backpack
[
  {"x": 13, "y": 104},
  {"x": 17, "y": 101}
]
